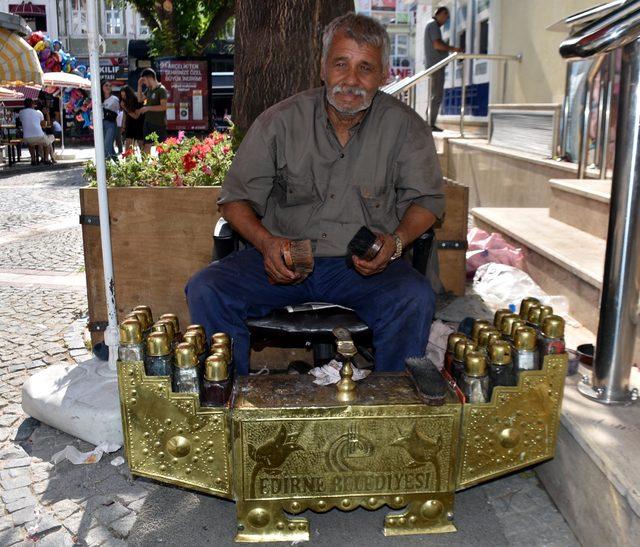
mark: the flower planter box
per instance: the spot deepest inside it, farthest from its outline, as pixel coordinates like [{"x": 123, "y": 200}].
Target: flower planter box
[{"x": 161, "y": 236}]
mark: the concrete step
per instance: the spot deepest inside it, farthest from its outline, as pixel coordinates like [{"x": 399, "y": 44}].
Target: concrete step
[
  {"x": 560, "y": 258},
  {"x": 581, "y": 203}
]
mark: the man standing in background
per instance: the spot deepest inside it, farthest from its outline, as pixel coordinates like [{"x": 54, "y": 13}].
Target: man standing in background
[{"x": 435, "y": 50}]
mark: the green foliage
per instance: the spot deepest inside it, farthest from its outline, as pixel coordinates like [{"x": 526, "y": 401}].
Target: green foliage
[
  {"x": 183, "y": 27},
  {"x": 178, "y": 162}
]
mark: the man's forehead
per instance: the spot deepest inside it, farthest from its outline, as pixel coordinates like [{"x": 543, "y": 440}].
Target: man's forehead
[{"x": 344, "y": 46}]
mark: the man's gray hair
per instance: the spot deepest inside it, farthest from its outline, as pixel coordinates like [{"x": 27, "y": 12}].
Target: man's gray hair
[{"x": 362, "y": 29}]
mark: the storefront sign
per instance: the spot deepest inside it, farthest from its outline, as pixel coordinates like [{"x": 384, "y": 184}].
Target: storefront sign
[
  {"x": 113, "y": 69},
  {"x": 187, "y": 83}
]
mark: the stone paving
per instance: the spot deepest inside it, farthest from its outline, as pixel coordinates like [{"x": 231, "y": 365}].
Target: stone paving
[{"x": 101, "y": 503}]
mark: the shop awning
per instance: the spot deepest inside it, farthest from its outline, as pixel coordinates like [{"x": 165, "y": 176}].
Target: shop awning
[
  {"x": 65, "y": 79},
  {"x": 28, "y": 9},
  {"x": 19, "y": 63},
  {"x": 9, "y": 94}
]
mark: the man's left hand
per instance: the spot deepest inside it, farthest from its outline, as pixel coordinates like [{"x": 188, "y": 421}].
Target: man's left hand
[{"x": 381, "y": 260}]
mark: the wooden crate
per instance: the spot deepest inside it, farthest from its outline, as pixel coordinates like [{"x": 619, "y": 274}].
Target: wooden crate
[
  {"x": 453, "y": 228},
  {"x": 161, "y": 236}
]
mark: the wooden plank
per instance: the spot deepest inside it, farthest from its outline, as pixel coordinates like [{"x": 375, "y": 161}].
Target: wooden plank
[
  {"x": 453, "y": 270},
  {"x": 455, "y": 220}
]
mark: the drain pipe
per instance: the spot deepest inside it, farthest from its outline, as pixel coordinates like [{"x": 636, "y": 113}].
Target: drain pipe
[
  {"x": 621, "y": 283},
  {"x": 111, "y": 335}
]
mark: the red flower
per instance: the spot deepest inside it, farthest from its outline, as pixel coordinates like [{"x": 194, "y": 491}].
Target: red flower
[
  {"x": 206, "y": 170},
  {"x": 128, "y": 152},
  {"x": 160, "y": 150},
  {"x": 226, "y": 149},
  {"x": 171, "y": 141},
  {"x": 188, "y": 162},
  {"x": 177, "y": 181}
]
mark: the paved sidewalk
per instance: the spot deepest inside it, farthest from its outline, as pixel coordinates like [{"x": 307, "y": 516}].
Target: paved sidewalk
[{"x": 42, "y": 316}]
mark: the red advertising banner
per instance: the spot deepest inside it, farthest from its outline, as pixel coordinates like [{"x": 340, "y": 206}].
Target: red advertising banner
[{"x": 187, "y": 83}]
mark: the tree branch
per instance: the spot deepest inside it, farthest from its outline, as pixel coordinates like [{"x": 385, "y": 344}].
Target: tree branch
[{"x": 216, "y": 25}]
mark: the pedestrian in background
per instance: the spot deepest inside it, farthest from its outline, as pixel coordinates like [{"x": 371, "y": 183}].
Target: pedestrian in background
[
  {"x": 435, "y": 50},
  {"x": 33, "y": 134},
  {"x": 154, "y": 95},
  {"x": 119, "y": 128},
  {"x": 110, "y": 109},
  {"x": 133, "y": 120}
]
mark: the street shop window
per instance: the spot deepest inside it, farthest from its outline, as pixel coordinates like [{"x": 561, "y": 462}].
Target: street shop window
[
  {"x": 78, "y": 11},
  {"x": 143, "y": 29},
  {"x": 113, "y": 18}
]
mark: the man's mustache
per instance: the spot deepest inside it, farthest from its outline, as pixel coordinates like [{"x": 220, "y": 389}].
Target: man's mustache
[{"x": 348, "y": 89}]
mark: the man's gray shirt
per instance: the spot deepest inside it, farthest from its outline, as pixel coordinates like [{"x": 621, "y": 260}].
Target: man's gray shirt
[
  {"x": 294, "y": 173},
  {"x": 431, "y": 54}
]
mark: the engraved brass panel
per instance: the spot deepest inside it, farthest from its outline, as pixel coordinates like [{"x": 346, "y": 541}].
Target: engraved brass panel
[
  {"x": 516, "y": 429},
  {"x": 169, "y": 437}
]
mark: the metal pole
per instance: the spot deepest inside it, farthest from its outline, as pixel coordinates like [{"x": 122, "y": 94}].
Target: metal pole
[
  {"x": 61, "y": 122},
  {"x": 429, "y": 99},
  {"x": 111, "y": 336},
  {"x": 600, "y": 120},
  {"x": 565, "y": 115},
  {"x": 583, "y": 147},
  {"x": 604, "y": 155},
  {"x": 621, "y": 283},
  {"x": 463, "y": 98}
]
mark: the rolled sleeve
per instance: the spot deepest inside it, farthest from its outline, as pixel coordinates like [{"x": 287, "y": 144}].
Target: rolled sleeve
[
  {"x": 418, "y": 176},
  {"x": 251, "y": 175}
]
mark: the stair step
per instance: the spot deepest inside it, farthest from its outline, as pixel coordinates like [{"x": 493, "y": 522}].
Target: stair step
[
  {"x": 560, "y": 258},
  {"x": 581, "y": 203}
]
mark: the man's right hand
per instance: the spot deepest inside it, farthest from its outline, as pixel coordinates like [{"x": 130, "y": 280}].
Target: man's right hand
[{"x": 271, "y": 248}]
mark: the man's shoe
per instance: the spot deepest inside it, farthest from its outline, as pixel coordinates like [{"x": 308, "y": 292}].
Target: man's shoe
[{"x": 436, "y": 128}]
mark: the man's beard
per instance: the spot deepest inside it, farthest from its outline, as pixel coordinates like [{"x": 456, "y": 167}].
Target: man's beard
[{"x": 354, "y": 90}]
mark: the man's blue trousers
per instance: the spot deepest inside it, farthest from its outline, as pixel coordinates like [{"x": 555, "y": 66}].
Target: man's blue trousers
[{"x": 397, "y": 304}]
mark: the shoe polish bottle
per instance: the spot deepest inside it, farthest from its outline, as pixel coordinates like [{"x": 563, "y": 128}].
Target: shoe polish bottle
[
  {"x": 185, "y": 373},
  {"x": 506, "y": 325},
  {"x": 525, "y": 354},
  {"x": 497, "y": 318},
  {"x": 457, "y": 361},
  {"x": 131, "y": 347},
  {"x": 176, "y": 324},
  {"x": 475, "y": 380},
  {"x": 478, "y": 324},
  {"x": 158, "y": 360},
  {"x": 216, "y": 385},
  {"x": 195, "y": 338},
  {"x": 551, "y": 340},
  {"x": 526, "y": 304},
  {"x": 500, "y": 365},
  {"x": 452, "y": 340}
]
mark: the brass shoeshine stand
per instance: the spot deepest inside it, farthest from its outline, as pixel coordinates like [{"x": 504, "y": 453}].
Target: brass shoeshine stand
[{"x": 283, "y": 445}]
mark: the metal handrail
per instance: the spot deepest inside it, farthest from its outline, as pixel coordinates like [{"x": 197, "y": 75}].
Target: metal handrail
[
  {"x": 617, "y": 327},
  {"x": 407, "y": 85}
]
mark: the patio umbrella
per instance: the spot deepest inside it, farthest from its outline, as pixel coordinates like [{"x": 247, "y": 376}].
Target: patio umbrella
[
  {"x": 62, "y": 80},
  {"x": 19, "y": 63}
]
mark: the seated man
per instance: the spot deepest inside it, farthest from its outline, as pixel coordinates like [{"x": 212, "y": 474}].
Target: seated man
[
  {"x": 33, "y": 134},
  {"x": 318, "y": 166}
]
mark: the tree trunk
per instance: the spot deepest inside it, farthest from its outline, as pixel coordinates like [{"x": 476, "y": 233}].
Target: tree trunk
[{"x": 278, "y": 45}]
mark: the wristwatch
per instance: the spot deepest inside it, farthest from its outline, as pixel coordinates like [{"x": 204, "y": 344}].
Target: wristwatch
[{"x": 398, "y": 252}]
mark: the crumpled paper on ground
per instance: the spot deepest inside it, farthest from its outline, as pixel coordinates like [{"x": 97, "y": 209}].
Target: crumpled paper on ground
[
  {"x": 330, "y": 373},
  {"x": 76, "y": 457},
  {"x": 500, "y": 285}
]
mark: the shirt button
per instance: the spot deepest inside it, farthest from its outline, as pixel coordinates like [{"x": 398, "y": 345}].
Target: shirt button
[
  {"x": 341, "y": 156},
  {"x": 324, "y": 236},
  {"x": 332, "y": 196}
]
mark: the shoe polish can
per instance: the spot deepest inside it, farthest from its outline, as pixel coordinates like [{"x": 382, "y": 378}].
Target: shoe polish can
[
  {"x": 185, "y": 373},
  {"x": 131, "y": 347},
  {"x": 159, "y": 359},
  {"x": 475, "y": 378}
]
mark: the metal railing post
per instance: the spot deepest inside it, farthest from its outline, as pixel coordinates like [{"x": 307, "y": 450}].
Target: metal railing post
[
  {"x": 564, "y": 131},
  {"x": 606, "y": 129},
  {"x": 619, "y": 312},
  {"x": 583, "y": 147},
  {"x": 463, "y": 98}
]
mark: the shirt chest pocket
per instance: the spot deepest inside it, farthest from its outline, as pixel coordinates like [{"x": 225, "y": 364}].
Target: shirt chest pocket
[
  {"x": 377, "y": 203},
  {"x": 295, "y": 189}
]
